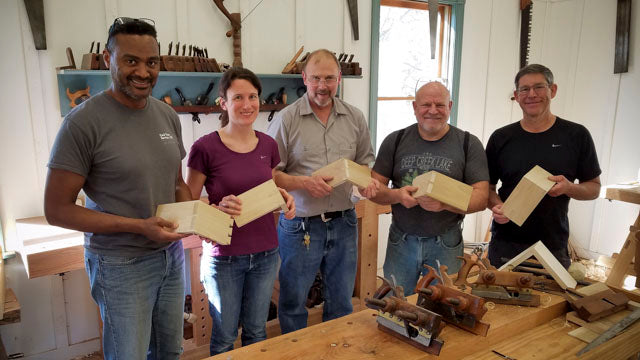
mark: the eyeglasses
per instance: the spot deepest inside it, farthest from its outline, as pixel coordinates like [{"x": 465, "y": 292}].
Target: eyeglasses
[
  {"x": 316, "y": 80},
  {"x": 539, "y": 89},
  {"x": 125, "y": 20}
]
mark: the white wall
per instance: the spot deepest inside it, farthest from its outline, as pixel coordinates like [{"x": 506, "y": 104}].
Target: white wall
[
  {"x": 575, "y": 38},
  {"x": 59, "y": 319}
]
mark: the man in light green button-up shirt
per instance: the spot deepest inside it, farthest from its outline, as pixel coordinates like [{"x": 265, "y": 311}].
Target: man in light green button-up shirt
[{"x": 312, "y": 132}]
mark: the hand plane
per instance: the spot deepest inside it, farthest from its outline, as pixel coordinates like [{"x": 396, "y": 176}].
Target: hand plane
[
  {"x": 412, "y": 324},
  {"x": 503, "y": 287},
  {"x": 456, "y": 307}
]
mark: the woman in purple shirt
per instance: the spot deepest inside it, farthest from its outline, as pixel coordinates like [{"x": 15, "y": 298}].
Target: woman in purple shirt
[{"x": 239, "y": 277}]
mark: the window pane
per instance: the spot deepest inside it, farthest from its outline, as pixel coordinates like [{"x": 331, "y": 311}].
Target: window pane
[
  {"x": 405, "y": 53},
  {"x": 393, "y": 115}
]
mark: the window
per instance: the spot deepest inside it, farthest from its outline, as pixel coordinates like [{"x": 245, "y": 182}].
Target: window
[{"x": 404, "y": 63}]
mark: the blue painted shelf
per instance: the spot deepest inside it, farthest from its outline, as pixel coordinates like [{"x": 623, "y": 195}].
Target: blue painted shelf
[{"x": 192, "y": 84}]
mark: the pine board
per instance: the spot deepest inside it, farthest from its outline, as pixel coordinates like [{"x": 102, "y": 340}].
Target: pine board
[
  {"x": 444, "y": 189},
  {"x": 345, "y": 170},
  {"x": 196, "y": 217},
  {"x": 584, "y": 334},
  {"x": 592, "y": 289},
  {"x": 527, "y": 194},
  {"x": 259, "y": 201}
]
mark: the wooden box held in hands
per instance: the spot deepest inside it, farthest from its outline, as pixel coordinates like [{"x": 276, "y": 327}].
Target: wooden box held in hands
[
  {"x": 527, "y": 195},
  {"x": 344, "y": 170},
  {"x": 444, "y": 189},
  {"x": 196, "y": 217},
  {"x": 258, "y": 201}
]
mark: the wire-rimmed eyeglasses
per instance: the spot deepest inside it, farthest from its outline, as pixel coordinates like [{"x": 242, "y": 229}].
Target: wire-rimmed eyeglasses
[
  {"x": 539, "y": 89},
  {"x": 317, "y": 80}
]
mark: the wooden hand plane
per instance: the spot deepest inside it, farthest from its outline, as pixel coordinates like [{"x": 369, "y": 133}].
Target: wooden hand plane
[
  {"x": 503, "y": 287},
  {"x": 456, "y": 307},
  {"x": 412, "y": 324}
]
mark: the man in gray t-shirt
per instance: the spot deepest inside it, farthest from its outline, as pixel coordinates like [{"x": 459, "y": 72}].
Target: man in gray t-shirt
[
  {"x": 423, "y": 229},
  {"x": 124, "y": 149}
]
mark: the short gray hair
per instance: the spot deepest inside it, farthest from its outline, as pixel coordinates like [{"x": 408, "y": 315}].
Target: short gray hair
[{"x": 535, "y": 69}]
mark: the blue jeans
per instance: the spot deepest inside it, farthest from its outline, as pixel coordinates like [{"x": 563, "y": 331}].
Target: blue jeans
[
  {"x": 239, "y": 290},
  {"x": 141, "y": 302},
  {"x": 333, "y": 249},
  {"x": 406, "y": 255}
]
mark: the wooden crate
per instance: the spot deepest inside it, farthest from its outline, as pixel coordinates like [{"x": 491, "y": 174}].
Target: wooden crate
[
  {"x": 196, "y": 217},
  {"x": 527, "y": 194},
  {"x": 444, "y": 189}
]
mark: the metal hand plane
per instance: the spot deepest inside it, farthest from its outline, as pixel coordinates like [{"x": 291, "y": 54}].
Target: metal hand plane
[
  {"x": 412, "y": 324},
  {"x": 503, "y": 287},
  {"x": 456, "y": 307}
]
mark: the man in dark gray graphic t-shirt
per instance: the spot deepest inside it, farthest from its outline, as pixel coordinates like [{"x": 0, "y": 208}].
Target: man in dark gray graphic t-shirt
[{"x": 424, "y": 230}]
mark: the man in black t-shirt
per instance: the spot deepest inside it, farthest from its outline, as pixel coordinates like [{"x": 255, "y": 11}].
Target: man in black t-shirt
[{"x": 563, "y": 148}]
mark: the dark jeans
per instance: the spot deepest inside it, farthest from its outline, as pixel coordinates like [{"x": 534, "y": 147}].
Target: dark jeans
[
  {"x": 333, "y": 249},
  {"x": 141, "y": 302}
]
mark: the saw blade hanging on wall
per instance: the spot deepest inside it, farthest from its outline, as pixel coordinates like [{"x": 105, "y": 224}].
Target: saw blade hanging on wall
[{"x": 526, "y": 7}]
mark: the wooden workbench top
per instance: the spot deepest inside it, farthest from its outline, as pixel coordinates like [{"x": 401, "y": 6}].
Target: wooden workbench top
[
  {"x": 48, "y": 249},
  {"x": 623, "y": 192},
  {"x": 356, "y": 336}
]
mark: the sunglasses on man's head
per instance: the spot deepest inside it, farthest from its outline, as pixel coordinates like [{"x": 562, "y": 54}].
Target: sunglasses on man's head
[{"x": 125, "y": 20}]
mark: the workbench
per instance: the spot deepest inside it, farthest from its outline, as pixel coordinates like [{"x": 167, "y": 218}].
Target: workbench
[
  {"x": 356, "y": 336},
  {"x": 516, "y": 331}
]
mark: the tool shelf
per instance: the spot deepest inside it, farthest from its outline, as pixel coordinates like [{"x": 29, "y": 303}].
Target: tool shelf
[
  {"x": 192, "y": 84},
  {"x": 208, "y": 109}
]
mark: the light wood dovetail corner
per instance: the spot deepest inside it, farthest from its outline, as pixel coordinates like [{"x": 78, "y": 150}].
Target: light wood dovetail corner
[
  {"x": 259, "y": 201},
  {"x": 546, "y": 258},
  {"x": 444, "y": 189},
  {"x": 196, "y": 217},
  {"x": 533, "y": 186},
  {"x": 344, "y": 170}
]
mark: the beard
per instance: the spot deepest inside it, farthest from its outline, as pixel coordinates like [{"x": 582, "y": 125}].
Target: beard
[
  {"x": 323, "y": 103},
  {"x": 123, "y": 84}
]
